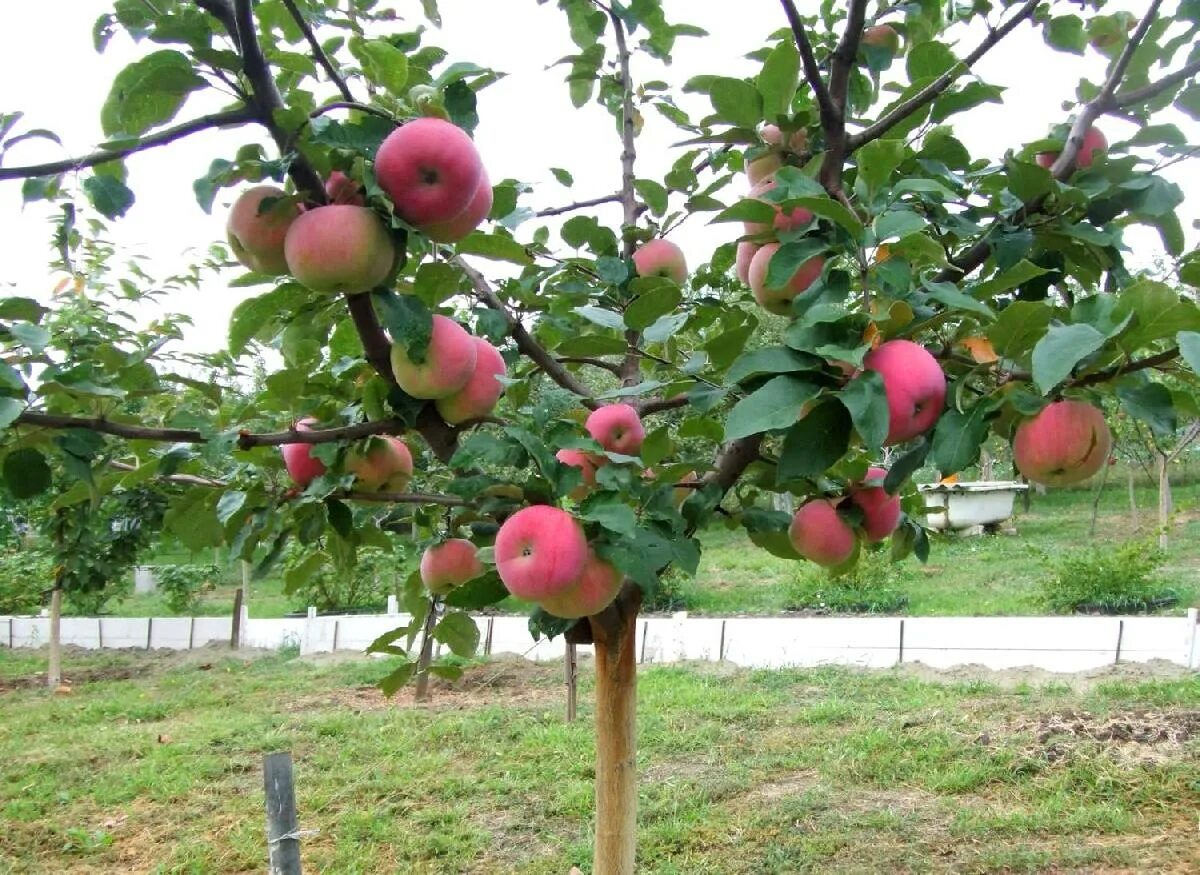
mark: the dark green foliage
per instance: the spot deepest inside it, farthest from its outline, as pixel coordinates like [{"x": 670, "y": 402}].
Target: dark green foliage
[
  {"x": 874, "y": 586},
  {"x": 1108, "y": 579},
  {"x": 182, "y": 585}
]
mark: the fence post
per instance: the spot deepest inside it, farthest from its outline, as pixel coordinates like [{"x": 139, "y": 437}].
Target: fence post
[
  {"x": 1193, "y": 654},
  {"x": 235, "y": 638},
  {"x": 571, "y": 666},
  {"x": 283, "y": 844},
  {"x": 393, "y": 606},
  {"x": 1120, "y": 638}
]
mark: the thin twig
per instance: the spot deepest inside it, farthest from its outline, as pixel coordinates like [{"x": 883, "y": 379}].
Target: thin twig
[
  {"x": 580, "y": 205},
  {"x": 357, "y": 107},
  {"x": 830, "y": 119},
  {"x": 318, "y": 53}
]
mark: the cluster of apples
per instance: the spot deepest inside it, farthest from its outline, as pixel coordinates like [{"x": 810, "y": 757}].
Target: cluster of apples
[
  {"x": 617, "y": 428},
  {"x": 382, "y": 464},
  {"x": 429, "y": 168},
  {"x": 822, "y": 535},
  {"x": 754, "y": 254},
  {"x": 459, "y": 372}
]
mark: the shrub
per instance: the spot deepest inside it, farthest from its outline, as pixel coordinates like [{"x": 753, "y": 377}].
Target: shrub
[
  {"x": 25, "y": 575},
  {"x": 875, "y": 586},
  {"x": 365, "y": 586},
  {"x": 1108, "y": 579},
  {"x": 182, "y": 585}
]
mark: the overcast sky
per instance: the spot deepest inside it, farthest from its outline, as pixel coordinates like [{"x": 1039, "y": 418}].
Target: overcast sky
[{"x": 51, "y": 72}]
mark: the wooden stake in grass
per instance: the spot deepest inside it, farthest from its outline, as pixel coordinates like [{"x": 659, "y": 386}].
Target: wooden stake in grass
[
  {"x": 614, "y": 633},
  {"x": 54, "y": 661},
  {"x": 571, "y": 666},
  {"x": 283, "y": 843}
]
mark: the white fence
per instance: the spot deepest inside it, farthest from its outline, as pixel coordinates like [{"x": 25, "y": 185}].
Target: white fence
[{"x": 1053, "y": 643}]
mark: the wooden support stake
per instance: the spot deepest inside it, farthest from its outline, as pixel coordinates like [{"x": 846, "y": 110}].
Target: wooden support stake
[
  {"x": 487, "y": 641},
  {"x": 149, "y": 631},
  {"x": 571, "y": 666},
  {"x": 99, "y": 633},
  {"x": 336, "y": 624},
  {"x": 192, "y": 633},
  {"x": 235, "y": 639},
  {"x": 645, "y": 635},
  {"x": 616, "y": 747},
  {"x": 1120, "y": 637},
  {"x": 283, "y": 844},
  {"x": 900, "y": 661},
  {"x": 721, "y": 648}
]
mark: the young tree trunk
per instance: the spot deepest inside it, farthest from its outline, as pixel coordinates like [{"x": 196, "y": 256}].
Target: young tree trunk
[
  {"x": 426, "y": 657},
  {"x": 987, "y": 465},
  {"x": 1096, "y": 500},
  {"x": 616, "y": 744},
  {"x": 1165, "y": 504},
  {"x": 1133, "y": 510},
  {"x": 54, "y": 662}
]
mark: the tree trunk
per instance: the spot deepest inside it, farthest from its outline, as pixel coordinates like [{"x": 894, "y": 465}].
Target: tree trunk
[
  {"x": 1133, "y": 510},
  {"x": 1165, "y": 504},
  {"x": 426, "y": 657},
  {"x": 986, "y": 465},
  {"x": 616, "y": 743},
  {"x": 54, "y": 662}
]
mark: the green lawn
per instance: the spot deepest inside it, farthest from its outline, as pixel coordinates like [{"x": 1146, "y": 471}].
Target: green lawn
[
  {"x": 152, "y": 764},
  {"x": 991, "y": 575}
]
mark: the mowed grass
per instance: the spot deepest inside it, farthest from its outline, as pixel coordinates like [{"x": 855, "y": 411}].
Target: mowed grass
[
  {"x": 152, "y": 764},
  {"x": 965, "y": 576}
]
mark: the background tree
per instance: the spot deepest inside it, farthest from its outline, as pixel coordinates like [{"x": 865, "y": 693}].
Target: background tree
[{"x": 922, "y": 300}]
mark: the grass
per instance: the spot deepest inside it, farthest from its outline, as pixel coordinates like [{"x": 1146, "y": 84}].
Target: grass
[
  {"x": 153, "y": 762},
  {"x": 991, "y": 575}
]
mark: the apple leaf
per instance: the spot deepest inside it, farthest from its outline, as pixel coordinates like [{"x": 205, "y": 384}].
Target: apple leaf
[
  {"x": 736, "y": 101},
  {"x": 775, "y": 405},
  {"x": 148, "y": 93},
  {"x": 458, "y": 632},
  {"x": 814, "y": 443},
  {"x": 657, "y": 302},
  {"x": 1152, "y": 404},
  {"x": 26, "y": 472},
  {"x": 866, "y": 401},
  {"x": 111, "y": 197},
  {"x": 957, "y": 437},
  {"x": 1060, "y": 350},
  {"x": 778, "y": 79},
  {"x": 1189, "y": 348},
  {"x": 770, "y": 360}
]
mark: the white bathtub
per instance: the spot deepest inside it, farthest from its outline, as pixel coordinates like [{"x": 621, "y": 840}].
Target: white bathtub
[{"x": 957, "y": 506}]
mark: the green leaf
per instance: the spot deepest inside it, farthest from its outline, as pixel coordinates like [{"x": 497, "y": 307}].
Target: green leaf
[
  {"x": 1018, "y": 327},
  {"x": 603, "y": 318},
  {"x": 408, "y": 321},
  {"x": 775, "y": 405},
  {"x": 1152, "y": 404},
  {"x": 478, "y": 593},
  {"x": 866, "y": 401},
  {"x": 1189, "y": 348},
  {"x": 827, "y": 208},
  {"x": 1066, "y": 33},
  {"x": 1019, "y": 274},
  {"x": 647, "y": 308},
  {"x": 789, "y": 257},
  {"x": 400, "y": 676},
  {"x": 736, "y": 101},
  {"x": 301, "y": 573},
  {"x": 435, "y": 282},
  {"x": 611, "y": 269},
  {"x": 906, "y": 466},
  {"x": 111, "y": 197},
  {"x": 948, "y": 294},
  {"x": 564, "y": 178},
  {"x": 1160, "y": 312},
  {"x": 653, "y": 194},
  {"x": 770, "y": 360},
  {"x": 929, "y": 60},
  {"x": 896, "y": 225},
  {"x": 592, "y": 344},
  {"x": 815, "y": 443},
  {"x": 253, "y": 314},
  {"x": 26, "y": 473},
  {"x": 458, "y": 632},
  {"x": 610, "y": 512},
  {"x": 382, "y": 63},
  {"x": 957, "y": 438},
  {"x": 497, "y": 247},
  {"x": 778, "y": 79},
  {"x": 746, "y": 210},
  {"x": 877, "y": 161},
  {"x": 461, "y": 105},
  {"x": 1060, "y": 350},
  {"x": 148, "y": 93},
  {"x": 10, "y": 409},
  {"x": 1028, "y": 181}
]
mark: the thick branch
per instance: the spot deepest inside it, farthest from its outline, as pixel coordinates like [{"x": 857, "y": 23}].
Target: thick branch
[
  {"x": 375, "y": 343},
  {"x": 845, "y": 55},
  {"x": 830, "y": 119},
  {"x": 318, "y": 53},
  {"x": 661, "y": 405},
  {"x": 228, "y": 118},
  {"x": 222, "y": 12},
  {"x": 732, "y": 460},
  {"x": 407, "y": 498},
  {"x": 525, "y": 341},
  {"x": 935, "y": 88},
  {"x": 588, "y": 360},
  {"x": 580, "y": 205}
]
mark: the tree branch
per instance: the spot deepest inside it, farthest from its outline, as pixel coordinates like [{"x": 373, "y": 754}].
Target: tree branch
[
  {"x": 222, "y": 12},
  {"x": 845, "y": 55},
  {"x": 732, "y": 460},
  {"x": 1141, "y": 95},
  {"x": 580, "y": 205},
  {"x": 353, "y": 105},
  {"x": 318, "y": 53},
  {"x": 406, "y": 498},
  {"x": 830, "y": 119},
  {"x": 524, "y": 340},
  {"x": 228, "y": 118},
  {"x": 661, "y": 405},
  {"x": 588, "y": 360},
  {"x": 935, "y": 88}
]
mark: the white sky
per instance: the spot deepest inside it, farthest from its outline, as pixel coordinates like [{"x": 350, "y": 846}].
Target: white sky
[{"x": 51, "y": 72}]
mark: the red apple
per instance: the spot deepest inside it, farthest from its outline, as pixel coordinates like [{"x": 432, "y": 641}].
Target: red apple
[
  {"x": 1067, "y": 442},
  {"x": 453, "y": 230},
  {"x": 779, "y": 301},
  {"x": 339, "y": 248},
  {"x": 540, "y": 552},
  {"x": 821, "y": 536},
  {"x": 741, "y": 266},
  {"x": 881, "y": 511},
  {"x": 762, "y": 167},
  {"x": 256, "y": 231},
  {"x": 385, "y": 464},
  {"x": 660, "y": 257},
  {"x": 595, "y": 590},
  {"x": 430, "y": 169},
  {"x": 482, "y": 391},
  {"x": 341, "y": 189},
  {"x": 797, "y": 218},
  {"x": 448, "y": 365},
  {"x": 449, "y": 564},
  {"x": 884, "y": 36},
  {"x": 301, "y": 465},
  {"x": 617, "y": 428},
  {"x": 915, "y": 386},
  {"x": 586, "y": 463},
  {"x": 1093, "y": 141}
]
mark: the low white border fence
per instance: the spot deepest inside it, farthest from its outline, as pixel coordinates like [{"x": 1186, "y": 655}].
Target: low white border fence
[{"x": 1061, "y": 644}]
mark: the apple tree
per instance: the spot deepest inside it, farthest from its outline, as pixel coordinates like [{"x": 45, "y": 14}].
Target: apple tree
[{"x": 556, "y": 405}]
